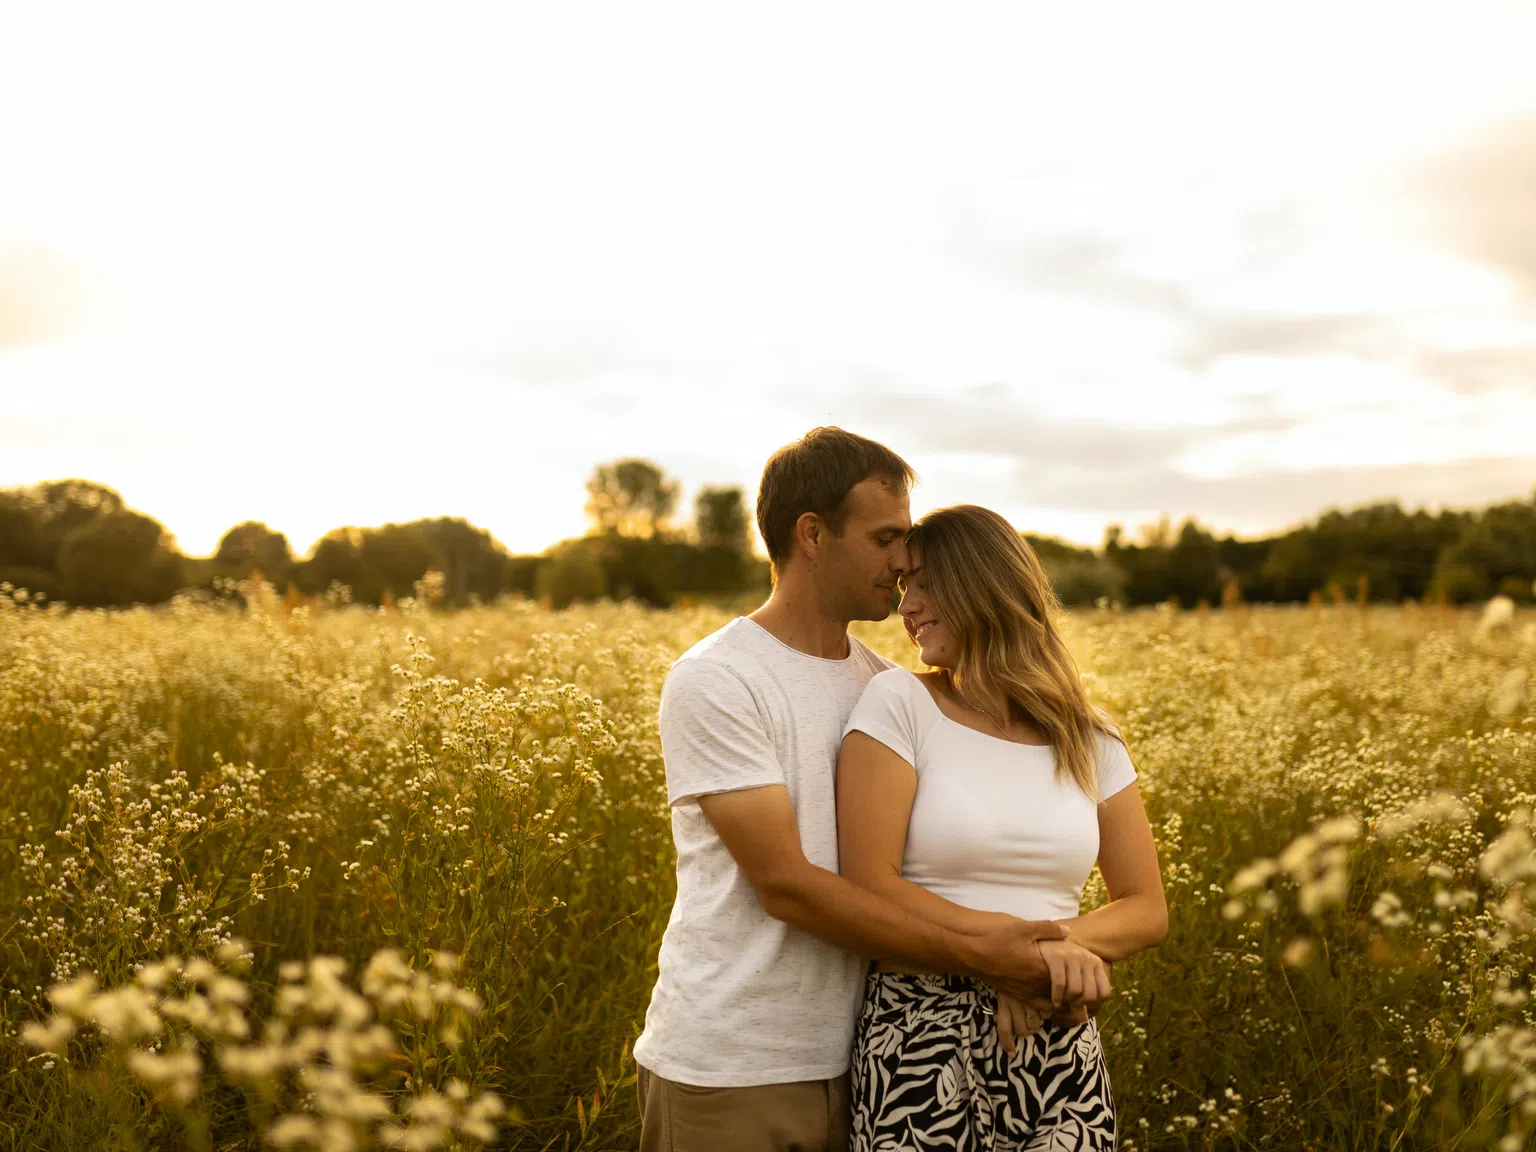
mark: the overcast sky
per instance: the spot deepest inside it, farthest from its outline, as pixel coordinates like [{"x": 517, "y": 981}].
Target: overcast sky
[{"x": 320, "y": 265}]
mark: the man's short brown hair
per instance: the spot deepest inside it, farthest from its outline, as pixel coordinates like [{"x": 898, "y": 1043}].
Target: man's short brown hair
[{"x": 815, "y": 474}]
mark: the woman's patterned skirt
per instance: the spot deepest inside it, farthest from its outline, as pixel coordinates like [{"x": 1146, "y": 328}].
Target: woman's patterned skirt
[{"x": 929, "y": 1073}]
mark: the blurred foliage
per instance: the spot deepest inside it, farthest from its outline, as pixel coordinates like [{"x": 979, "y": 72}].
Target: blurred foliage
[
  {"x": 630, "y": 497},
  {"x": 76, "y": 541},
  {"x": 1340, "y": 799},
  {"x": 720, "y": 519}
]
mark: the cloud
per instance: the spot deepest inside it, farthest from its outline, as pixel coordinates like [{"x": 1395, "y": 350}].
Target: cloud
[
  {"x": 1099, "y": 268},
  {"x": 1033, "y": 466},
  {"x": 1474, "y": 371},
  {"x": 1091, "y": 264},
  {"x": 987, "y": 422},
  {"x": 1214, "y": 336},
  {"x": 1480, "y": 197},
  {"x": 41, "y": 296},
  {"x": 1259, "y": 501}
]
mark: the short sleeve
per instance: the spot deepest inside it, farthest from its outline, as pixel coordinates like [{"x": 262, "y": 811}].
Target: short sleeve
[
  {"x": 1115, "y": 768},
  {"x": 712, "y": 735},
  {"x": 885, "y": 711}
]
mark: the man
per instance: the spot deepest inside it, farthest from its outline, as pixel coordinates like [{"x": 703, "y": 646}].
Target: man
[{"x": 747, "y": 1038}]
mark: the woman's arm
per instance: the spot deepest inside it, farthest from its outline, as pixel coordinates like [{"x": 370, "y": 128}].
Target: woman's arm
[
  {"x": 1136, "y": 916},
  {"x": 875, "y": 789}
]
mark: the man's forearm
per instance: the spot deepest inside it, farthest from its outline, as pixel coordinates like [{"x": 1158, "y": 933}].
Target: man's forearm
[
  {"x": 917, "y": 900},
  {"x": 861, "y": 921},
  {"x": 838, "y": 910}
]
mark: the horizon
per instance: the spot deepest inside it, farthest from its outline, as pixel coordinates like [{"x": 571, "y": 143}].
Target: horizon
[
  {"x": 453, "y": 266},
  {"x": 683, "y": 519}
]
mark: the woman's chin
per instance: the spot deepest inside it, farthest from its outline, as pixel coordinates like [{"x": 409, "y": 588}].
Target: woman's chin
[{"x": 934, "y": 658}]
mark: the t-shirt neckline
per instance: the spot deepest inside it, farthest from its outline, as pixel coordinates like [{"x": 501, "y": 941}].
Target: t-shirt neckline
[
  {"x": 945, "y": 716},
  {"x": 819, "y": 659}
]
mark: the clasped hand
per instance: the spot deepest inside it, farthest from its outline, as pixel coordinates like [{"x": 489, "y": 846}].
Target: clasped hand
[{"x": 1080, "y": 983}]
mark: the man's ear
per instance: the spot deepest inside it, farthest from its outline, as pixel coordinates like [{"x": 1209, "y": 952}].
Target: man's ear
[{"x": 809, "y": 531}]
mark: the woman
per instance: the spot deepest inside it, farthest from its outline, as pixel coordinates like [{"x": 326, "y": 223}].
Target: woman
[{"x": 989, "y": 786}]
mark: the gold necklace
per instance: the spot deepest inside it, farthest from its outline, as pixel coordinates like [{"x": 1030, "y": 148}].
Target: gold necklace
[{"x": 956, "y": 693}]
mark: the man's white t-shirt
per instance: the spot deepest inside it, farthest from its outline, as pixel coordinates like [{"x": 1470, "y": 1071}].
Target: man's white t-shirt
[{"x": 742, "y": 998}]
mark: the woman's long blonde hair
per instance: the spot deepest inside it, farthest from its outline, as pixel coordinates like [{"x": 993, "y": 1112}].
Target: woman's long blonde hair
[{"x": 990, "y": 590}]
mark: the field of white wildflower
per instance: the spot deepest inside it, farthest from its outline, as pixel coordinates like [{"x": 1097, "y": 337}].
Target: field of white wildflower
[{"x": 344, "y": 878}]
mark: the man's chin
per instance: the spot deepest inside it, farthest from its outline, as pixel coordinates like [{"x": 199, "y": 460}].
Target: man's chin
[{"x": 879, "y": 611}]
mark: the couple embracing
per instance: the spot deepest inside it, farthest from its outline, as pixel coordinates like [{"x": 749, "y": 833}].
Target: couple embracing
[{"x": 876, "y": 941}]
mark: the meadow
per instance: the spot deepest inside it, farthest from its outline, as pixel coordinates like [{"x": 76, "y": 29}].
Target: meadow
[{"x": 330, "y": 876}]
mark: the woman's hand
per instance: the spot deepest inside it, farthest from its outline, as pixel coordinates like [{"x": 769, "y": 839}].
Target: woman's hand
[
  {"x": 1078, "y": 977},
  {"x": 1016, "y": 1019}
]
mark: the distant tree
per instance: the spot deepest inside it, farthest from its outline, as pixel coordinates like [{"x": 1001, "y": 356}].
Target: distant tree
[
  {"x": 395, "y": 556},
  {"x": 1078, "y": 575},
  {"x": 22, "y": 542},
  {"x": 473, "y": 563},
  {"x": 1495, "y": 552},
  {"x": 1397, "y": 552},
  {"x": 720, "y": 519},
  {"x": 1145, "y": 564},
  {"x": 722, "y": 560},
  {"x": 630, "y": 497},
  {"x": 253, "y": 547},
  {"x": 1243, "y": 560},
  {"x": 26, "y": 560},
  {"x": 65, "y": 505},
  {"x": 335, "y": 558},
  {"x": 75, "y": 501},
  {"x": 1156, "y": 535},
  {"x": 1192, "y": 566},
  {"x": 648, "y": 569},
  {"x": 118, "y": 557},
  {"x": 521, "y": 575},
  {"x": 573, "y": 572}
]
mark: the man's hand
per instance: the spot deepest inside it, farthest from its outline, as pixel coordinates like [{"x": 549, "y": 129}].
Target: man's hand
[{"x": 1010, "y": 959}]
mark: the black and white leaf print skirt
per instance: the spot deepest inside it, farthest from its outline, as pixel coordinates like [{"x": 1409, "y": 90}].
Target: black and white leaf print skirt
[{"x": 929, "y": 1073}]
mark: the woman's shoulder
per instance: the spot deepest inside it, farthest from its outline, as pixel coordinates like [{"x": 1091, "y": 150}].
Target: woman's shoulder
[
  {"x": 1115, "y": 767},
  {"x": 904, "y": 682},
  {"x": 896, "y": 681},
  {"x": 890, "y": 678},
  {"x": 1107, "y": 733},
  {"x": 900, "y": 689}
]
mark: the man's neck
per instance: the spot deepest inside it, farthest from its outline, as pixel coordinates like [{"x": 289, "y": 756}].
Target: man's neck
[{"x": 793, "y": 616}]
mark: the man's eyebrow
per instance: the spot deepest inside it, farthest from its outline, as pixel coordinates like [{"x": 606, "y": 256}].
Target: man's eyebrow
[{"x": 899, "y": 529}]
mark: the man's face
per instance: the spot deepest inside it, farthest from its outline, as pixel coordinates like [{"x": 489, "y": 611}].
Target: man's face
[{"x": 860, "y": 567}]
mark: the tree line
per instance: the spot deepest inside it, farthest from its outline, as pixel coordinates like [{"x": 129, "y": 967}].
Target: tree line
[{"x": 78, "y": 542}]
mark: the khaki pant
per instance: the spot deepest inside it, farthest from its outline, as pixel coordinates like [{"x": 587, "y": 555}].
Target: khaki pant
[{"x": 806, "y": 1116}]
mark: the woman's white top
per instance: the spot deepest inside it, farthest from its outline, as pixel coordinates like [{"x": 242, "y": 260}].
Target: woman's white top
[{"x": 991, "y": 828}]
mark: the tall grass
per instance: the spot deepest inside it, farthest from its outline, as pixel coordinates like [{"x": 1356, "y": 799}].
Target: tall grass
[{"x": 474, "y": 803}]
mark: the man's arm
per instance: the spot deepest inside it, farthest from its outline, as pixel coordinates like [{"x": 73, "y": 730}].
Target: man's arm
[
  {"x": 758, "y": 828},
  {"x": 876, "y": 788}
]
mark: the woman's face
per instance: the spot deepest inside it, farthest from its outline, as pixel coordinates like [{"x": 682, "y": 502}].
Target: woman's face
[{"x": 936, "y": 644}]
